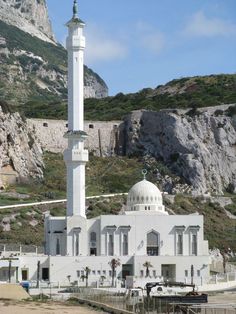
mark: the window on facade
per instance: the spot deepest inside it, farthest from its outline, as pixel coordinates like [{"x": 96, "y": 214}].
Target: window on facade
[
  {"x": 78, "y": 273},
  {"x": 93, "y": 243},
  {"x": 110, "y": 273},
  {"x": 125, "y": 244},
  {"x": 91, "y": 126},
  {"x": 45, "y": 124},
  {"x": 110, "y": 244},
  {"x": 58, "y": 249},
  {"x": 186, "y": 273},
  {"x": 154, "y": 273},
  {"x": 104, "y": 272},
  {"x": 152, "y": 244},
  {"x": 198, "y": 273},
  {"x": 141, "y": 273},
  {"x": 179, "y": 243},
  {"x": 76, "y": 244},
  {"x": 194, "y": 244}
]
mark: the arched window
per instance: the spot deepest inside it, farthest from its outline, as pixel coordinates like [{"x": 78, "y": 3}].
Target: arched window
[
  {"x": 76, "y": 244},
  {"x": 152, "y": 243},
  {"x": 125, "y": 244},
  {"x": 110, "y": 244},
  {"x": 58, "y": 249},
  {"x": 93, "y": 243}
]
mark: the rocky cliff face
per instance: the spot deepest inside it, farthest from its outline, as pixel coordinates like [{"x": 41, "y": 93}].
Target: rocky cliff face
[
  {"x": 29, "y": 15},
  {"x": 31, "y": 62},
  {"x": 199, "y": 146},
  {"x": 32, "y": 68},
  {"x": 20, "y": 152}
]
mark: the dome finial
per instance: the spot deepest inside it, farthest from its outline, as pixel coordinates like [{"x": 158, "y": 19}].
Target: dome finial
[
  {"x": 75, "y": 9},
  {"x": 144, "y": 173}
]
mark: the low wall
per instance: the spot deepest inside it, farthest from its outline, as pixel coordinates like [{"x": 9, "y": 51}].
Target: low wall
[{"x": 102, "y": 306}]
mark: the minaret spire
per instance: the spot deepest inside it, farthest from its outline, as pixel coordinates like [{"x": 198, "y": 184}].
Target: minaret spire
[{"x": 75, "y": 9}]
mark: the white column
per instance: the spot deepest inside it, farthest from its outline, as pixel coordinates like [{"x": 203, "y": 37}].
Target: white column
[{"x": 75, "y": 155}]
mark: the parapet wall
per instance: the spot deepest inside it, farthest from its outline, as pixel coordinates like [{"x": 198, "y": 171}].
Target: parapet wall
[{"x": 104, "y": 138}]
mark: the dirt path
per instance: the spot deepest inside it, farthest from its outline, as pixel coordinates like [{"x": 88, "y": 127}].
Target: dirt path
[{"x": 11, "y": 307}]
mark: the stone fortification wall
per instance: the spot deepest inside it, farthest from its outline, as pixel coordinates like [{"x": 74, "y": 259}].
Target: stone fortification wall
[{"x": 104, "y": 138}]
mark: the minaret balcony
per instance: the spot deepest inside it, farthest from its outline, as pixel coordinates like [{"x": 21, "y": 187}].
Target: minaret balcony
[
  {"x": 76, "y": 155},
  {"x": 76, "y": 42}
]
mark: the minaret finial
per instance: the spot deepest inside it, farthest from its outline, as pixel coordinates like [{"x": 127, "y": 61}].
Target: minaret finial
[
  {"x": 75, "y": 9},
  {"x": 144, "y": 173}
]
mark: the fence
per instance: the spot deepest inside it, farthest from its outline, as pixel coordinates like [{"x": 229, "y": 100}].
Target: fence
[
  {"x": 203, "y": 309},
  {"x": 16, "y": 249},
  {"x": 222, "y": 278},
  {"x": 119, "y": 301}
]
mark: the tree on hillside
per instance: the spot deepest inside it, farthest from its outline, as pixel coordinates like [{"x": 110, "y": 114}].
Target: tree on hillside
[
  {"x": 114, "y": 263},
  {"x": 87, "y": 272},
  {"x": 147, "y": 265}
]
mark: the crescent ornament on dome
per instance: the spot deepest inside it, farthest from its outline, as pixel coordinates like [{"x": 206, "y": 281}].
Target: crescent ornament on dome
[{"x": 144, "y": 173}]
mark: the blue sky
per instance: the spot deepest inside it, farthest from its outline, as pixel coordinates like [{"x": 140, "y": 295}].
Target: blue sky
[{"x": 133, "y": 44}]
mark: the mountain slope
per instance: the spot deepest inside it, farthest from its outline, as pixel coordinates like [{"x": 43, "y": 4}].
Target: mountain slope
[
  {"x": 30, "y": 16},
  {"x": 35, "y": 70}
]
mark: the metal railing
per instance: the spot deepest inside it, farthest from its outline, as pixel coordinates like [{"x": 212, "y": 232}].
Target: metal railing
[
  {"x": 118, "y": 300},
  {"x": 20, "y": 249}
]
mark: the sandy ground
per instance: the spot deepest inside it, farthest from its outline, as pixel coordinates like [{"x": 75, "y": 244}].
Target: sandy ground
[
  {"x": 12, "y": 292},
  {"x": 21, "y": 307}
]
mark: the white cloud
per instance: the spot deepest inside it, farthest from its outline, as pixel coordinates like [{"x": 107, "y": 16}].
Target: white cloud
[
  {"x": 154, "y": 42},
  {"x": 103, "y": 47},
  {"x": 150, "y": 38},
  {"x": 200, "y": 25}
]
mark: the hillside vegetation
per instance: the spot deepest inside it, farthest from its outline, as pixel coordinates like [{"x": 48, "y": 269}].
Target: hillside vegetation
[
  {"x": 195, "y": 92},
  {"x": 33, "y": 74},
  {"x": 111, "y": 175}
]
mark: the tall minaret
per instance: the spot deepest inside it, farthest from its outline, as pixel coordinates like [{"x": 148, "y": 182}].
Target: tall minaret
[{"x": 75, "y": 155}]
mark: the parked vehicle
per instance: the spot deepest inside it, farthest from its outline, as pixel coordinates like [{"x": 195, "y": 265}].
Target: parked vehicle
[{"x": 169, "y": 291}]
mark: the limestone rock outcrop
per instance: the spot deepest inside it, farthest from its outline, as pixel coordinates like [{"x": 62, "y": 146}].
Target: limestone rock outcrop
[
  {"x": 20, "y": 152},
  {"x": 199, "y": 147},
  {"x": 29, "y": 15}
]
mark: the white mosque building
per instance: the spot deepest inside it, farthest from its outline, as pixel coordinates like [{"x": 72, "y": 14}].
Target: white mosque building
[{"x": 174, "y": 245}]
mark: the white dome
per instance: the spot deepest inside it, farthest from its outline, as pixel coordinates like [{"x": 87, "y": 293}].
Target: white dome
[{"x": 144, "y": 195}]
